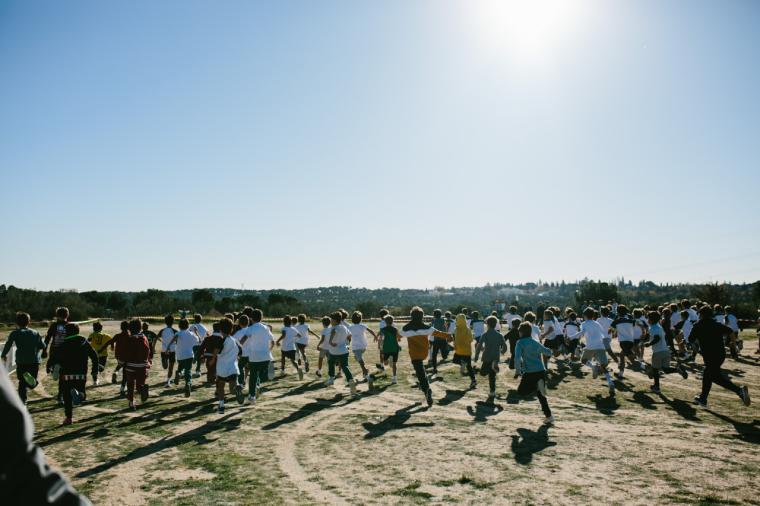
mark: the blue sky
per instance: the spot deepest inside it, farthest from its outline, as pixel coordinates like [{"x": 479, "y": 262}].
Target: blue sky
[{"x": 289, "y": 144}]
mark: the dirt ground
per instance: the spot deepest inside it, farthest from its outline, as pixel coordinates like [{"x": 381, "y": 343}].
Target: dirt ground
[{"x": 304, "y": 443}]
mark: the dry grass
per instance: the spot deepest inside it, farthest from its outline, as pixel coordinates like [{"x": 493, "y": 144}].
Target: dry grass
[{"x": 304, "y": 443}]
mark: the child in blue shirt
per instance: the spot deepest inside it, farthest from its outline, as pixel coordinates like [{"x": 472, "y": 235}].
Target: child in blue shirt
[{"x": 530, "y": 365}]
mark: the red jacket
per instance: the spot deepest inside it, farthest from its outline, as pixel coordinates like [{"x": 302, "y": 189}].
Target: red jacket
[{"x": 134, "y": 351}]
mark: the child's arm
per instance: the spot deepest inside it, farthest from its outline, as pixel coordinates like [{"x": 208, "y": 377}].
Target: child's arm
[
  {"x": 332, "y": 336},
  {"x": 314, "y": 334},
  {"x": 547, "y": 332},
  {"x": 7, "y": 346},
  {"x": 282, "y": 336},
  {"x": 373, "y": 333},
  {"x": 544, "y": 350}
]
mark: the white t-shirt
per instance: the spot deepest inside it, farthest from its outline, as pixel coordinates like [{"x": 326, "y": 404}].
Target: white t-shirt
[
  {"x": 720, "y": 318},
  {"x": 288, "y": 342},
  {"x": 675, "y": 318},
  {"x": 732, "y": 322},
  {"x": 325, "y": 339},
  {"x": 340, "y": 340},
  {"x": 478, "y": 328},
  {"x": 594, "y": 335},
  {"x": 572, "y": 328},
  {"x": 605, "y": 322},
  {"x": 624, "y": 327},
  {"x": 452, "y": 326},
  {"x": 550, "y": 325},
  {"x": 166, "y": 335},
  {"x": 559, "y": 327},
  {"x": 693, "y": 316},
  {"x": 200, "y": 330},
  {"x": 686, "y": 329},
  {"x": 303, "y": 329},
  {"x": 241, "y": 333},
  {"x": 358, "y": 336},
  {"x": 662, "y": 344},
  {"x": 226, "y": 359},
  {"x": 258, "y": 346},
  {"x": 185, "y": 342},
  {"x": 638, "y": 329},
  {"x": 536, "y": 333}
]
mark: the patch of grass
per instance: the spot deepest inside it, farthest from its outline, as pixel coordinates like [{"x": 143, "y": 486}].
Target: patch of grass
[
  {"x": 710, "y": 500},
  {"x": 412, "y": 492}
]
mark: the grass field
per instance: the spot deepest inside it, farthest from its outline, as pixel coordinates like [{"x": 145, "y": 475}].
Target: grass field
[{"x": 304, "y": 443}]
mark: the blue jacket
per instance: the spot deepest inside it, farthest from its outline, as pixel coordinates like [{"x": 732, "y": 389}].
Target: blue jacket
[{"x": 528, "y": 355}]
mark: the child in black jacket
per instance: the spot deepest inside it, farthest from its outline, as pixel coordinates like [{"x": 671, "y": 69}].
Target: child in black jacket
[{"x": 71, "y": 361}]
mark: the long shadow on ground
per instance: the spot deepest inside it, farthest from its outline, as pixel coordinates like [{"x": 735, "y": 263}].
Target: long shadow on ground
[
  {"x": 749, "y": 432},
  {"x": 526, "y": 443},
  {"x": 396, "y": 421},
  {"x": 305, "y": 410}
]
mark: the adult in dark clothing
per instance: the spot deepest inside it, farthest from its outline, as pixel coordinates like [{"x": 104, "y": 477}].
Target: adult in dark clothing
[
  {"x": 71, "y": 357},
  {"x": 25, "y": 477},
  {"x": 709, "y": 334}
]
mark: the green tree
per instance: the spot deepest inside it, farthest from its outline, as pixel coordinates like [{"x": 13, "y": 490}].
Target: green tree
[{"x": 202, "y": 300}]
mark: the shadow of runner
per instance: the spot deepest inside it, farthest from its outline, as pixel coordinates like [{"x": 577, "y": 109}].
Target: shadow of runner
[
  {"x": 304, "y": 411},
  {"x": 451, "y": 397},
  {"x": 483, "y": 410},
  {"x": 528, "y": 442},
  {"x": 396, "y": 421},
  {"x": 643, "y": 400},
  {"x": 304, "y": 388},
  {"x": 683, "y": 408},
  {"x": 605, "y": 405},
  {"x": 749, "y": 432},
  {"x": 197, "y": 435}
]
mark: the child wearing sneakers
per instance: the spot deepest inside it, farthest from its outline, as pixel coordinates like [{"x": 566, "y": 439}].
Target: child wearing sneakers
[
  {"x": 257, "y": 347},
  {"x": 303, "y": 340},
  {"x": 338, "y": 348},
  {"x": 594, "y": 354},
  {"x": 605, "y": 322},
  {"x": 136, "y": 353},
  {"x": 623, "y": 326},
  {"x": 417, "y": 333},
  {"x": 70, "y": 358},
  {"x": 168, "y": 348},
  {"x": 381, "y": 365},
  {"x": 389, "y": 336},
  {"x": 359, "y": 343},
  {"x": 185, "y": 341},
  {"x": 287, "y": 341},
  {"x": 572, "y": 337},
  {"x": 477, "y": 325},
  {"x": 323, "y": 346},
  {"x": 492, "y": 345},
  {"x": 225, "y": 357},
  {"x": 29, "y": 344},
  {"x": 99, "y": 340},
  {"x": 463, "y": 348},
  {"x": 529, "y": 364},
  {"x": 660, "y": 353}
]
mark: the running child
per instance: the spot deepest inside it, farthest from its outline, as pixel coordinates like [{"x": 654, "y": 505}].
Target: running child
[
  {"x": 151, "y": 337},
  {"x": 227, "y": 372},
  {"x": 338, "y": 348},
  {"x": 168, "y": 348},
  {"x": 417, "y": 332},
  {"x": 440, "y": 345},
  {"x": 29, "y": 344},
  {"x": 529, "y": 365},
  {"x": 136, "y": 352},
  {"x": 323, "y": 345},
  {"x": 511, "y": 337},
  {"x": 201, "y": 332},
  {"x": 303, "y": 341},
  {"x": 623, "y": 326},
  {"x": 639, "y": 333},
  {"x": 70, "y": 359},
  {"x": 595, "y": 354},
  {"x": 186, "y": 342},
  {"x": 660, "y": 353},
  {"x": 512, "y": 316},
  {"x": 477, "y": 325},
  {"x": 287, "y": 341},
  {"x": 606, "y": 323},
  {"x": 211, "y": 343},
  {"x": 492, "y": 345},
  {"x": 257, "y": 347},
  {"x": 99, "y": 341},
  {"x": 359, "y": 343},
  {"x": 463, "y": 348},
  {"x": 389, "y": 336},
  {"x": 549, "y": 336},
  {"x": 572, "y": 334},
  {"x": 381, "y": 365},
  {"x": 56, "y": 333}
]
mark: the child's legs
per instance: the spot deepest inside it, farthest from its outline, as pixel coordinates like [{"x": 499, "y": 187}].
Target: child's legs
[
  {"x": 492, "y": 379},
  {"x": 321, "y": 359},
  {"x": 186, "y": 367},
  {"x": 197, "y": 358},
  {"x": 343, "y": 360},
  {"x": 263, "y": 373},
  {"x": 220, "y": 382},
  {"x": 468, "y": 364},
  {"x": 66, "y": 387},
  {"x": 130, "y": 377},
  {"x": 282, "y": 360},
  {"x": 359, "y": 356},
  {"x": 171, "y": 359},
  {"x": 210, "y": 370},
  {"x": 544, "y": 404},
  {"x": 331, "y": 365},
  {"x": 394, "y": 359},
  {"x": 419, "y": 371}
]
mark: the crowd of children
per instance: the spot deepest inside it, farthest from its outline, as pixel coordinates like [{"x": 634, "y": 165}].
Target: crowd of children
[{"x": 240, "y": 347}]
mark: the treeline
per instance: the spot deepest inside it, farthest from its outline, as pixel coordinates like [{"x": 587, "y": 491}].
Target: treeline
[{"x": 318, "y": 301}]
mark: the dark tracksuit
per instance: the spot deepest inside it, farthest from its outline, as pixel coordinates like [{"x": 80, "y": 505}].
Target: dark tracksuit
[
  {"x": 709, "y": 334},
  {"x": 72, "y": 355}
]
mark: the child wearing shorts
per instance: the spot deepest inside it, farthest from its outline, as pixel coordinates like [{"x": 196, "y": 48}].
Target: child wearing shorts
[
  {"x": 660, "y": 353},
  {"x": 463, "y": 347},
  {"x": 257, "y": 348},
  {"x": 323, "y": 345},
  {"x": 389, "y": 336},
  {"x": 287, "y": 342},
  {"x": 529, "y": 365},
  {"x": 492, "y": 345},
  {"x": 338, "y": 348},
  {"x": 225, "y": 357},
  {"x": 303, "y": 340},
  {"x": 99, "y": 340},
  {"x": 168, "y": 348},
  {"x": 359, "y": 343},
  {"x": 594, "y": 354},
  {"x": 186, "y": 341}
]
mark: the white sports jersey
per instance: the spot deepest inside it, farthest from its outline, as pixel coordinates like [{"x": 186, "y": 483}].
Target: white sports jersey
[
  {"x": 166, "y": 335},
  {"x": 358, "y": 337},
  {"x": 303, "y": 329},
  {"x": 288, "y": 342}
]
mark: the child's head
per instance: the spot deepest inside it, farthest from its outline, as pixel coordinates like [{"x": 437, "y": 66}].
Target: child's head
[
  {"x": 248, "y": 311},
  {"x": 22, "y": 319},
  {"x": 476, "y": 315},
  {"x": 513, "y": 309},
  {"x": 184, "y": 324},
  {"x": 97, "y": 326},
  {"x": 447, "y": 315},
  {"x": 135, "y": 326},
  {"x": 437, "y": 313},
  {"x": 336, "y": 318},
  {"x": 572, "y": 316},
  {"x": 666, "y": 312},
  {"x": 243, "y": 320},
  {"x": 286, "y": 321},
  {"x": 529, "y": 317},
  {"x": 124, "y": 326},
  {"x": 343, "y": 314},
  {"x": 729, "y": 310},
  {"x": 216, "y": 326},
  {"x": 198, "y": 318},
  {"x": 589, "y": 313},
  {"x": 62, "y": 314},
  {"x": 525, "y": 329},
  {"x": 225, "y": 326},
  {"x": 72, "y": 329},
  {"x": 706, "y": 312},
  {"x": 257, "y": 315},
  {"x": 388, "y": 320},
  {"x": 325, "y": 321},
  {"x": 384, "y": 312},
  {"x": 466, "y": 311},
  {"x": 417, "y": 314},
  {"x": 653, "y": 317},
  {"x": 145, "y": 326},
  {"x": 301, "y": 319},
  {"x": 684, "y": 315},
  {"x": 515, "y": 322},
  {"x": 356, "y": 317},
  {"x": 491, "y": 321},
  {"x": 638, "y": 313},
  {"x": 169, "y": 320},
  {"x": 622, "y": 310},
  {"x": 548, "y": 314},
  {"x": 605, "y": 310}
]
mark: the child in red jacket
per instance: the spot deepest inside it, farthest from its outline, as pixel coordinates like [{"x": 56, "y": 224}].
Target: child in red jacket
[{"x": 134, "y": 351}]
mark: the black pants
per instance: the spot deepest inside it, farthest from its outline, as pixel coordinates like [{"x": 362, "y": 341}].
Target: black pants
[
  {"x": 712, "y": 375},
  {"x": 65, "y": 387},
  {"x": 439, "y": 345},
  {"x": 529, "y": 385},
  {"x": 419, "y": 370},
  {"x": 488, "y": 369},
  {"x": 32, "y": 369}
]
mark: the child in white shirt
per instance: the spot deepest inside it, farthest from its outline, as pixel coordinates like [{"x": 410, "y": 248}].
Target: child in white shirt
[
  {"x": 287, "y": 341},
  {"x": 301, "y": 343},
  {"x": 359, "y": 343}
]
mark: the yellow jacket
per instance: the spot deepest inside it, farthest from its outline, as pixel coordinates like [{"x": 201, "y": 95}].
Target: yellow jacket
[{"x": 462, "y": 337}]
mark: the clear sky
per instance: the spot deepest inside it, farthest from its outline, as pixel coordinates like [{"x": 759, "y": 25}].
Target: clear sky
[{"x": 179, "y": 144}]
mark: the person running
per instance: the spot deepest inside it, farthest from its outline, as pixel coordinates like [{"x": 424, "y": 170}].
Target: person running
[
  {"x": 606, "y": 323},
  {"x": 549, "y": 336},
  {"x": 29, "y": 344},
  {"x": 710, "y": 334},
  {"x": 389, "y": 336},
  {"x": 115, "y": 344},
  {"x": 287, "y": 341},
  {"x": 623, "y": 327},
  {"x": 227, "y": 372},
  {"x": 324, "y": 348},
  {"x": 359, "y": 343},
  {"x": 338, "y": 348},
  {"x": 511, "y": 337},
  {"x": 71, "y": 358},
  {"x": 136, "y": 353},
  {"x": 529, "y": 365},
  {"x": 54, "y": 337},
  {"x": 440, "y": 345},
  {"x": 151, "y": 337},
  {"x": 257, "y": 348},
  {"x": 511, "y": 316},
  {"x": 168, "y": 348},
  {"x": 380, "y": 366},
  {"x": 734, "y": 343},
  {"x": 660, "y": 353},
  {"x": 477, "y": 326},
  {"x": 186, "y": 341},
  {"x": 201, "y": 332},
  {"x": 492, "y": 345},
  {"x": 463, "y": 348},
  {"x": 211, "y": 343},
  {"x": 417, "y": 332},
  {"x": 303, "y": 341},
  {"x": 99, "y": 341},
  {"x": 595, "y": 354},
  {"x": 572, "y": 334}
]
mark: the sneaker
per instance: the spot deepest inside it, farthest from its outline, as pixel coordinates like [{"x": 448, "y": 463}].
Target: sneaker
[
  {"x": 595, "y": 371},
  {"x": 220, "y": 409},
  {"x": 31, "y": 382},
  {"x": 176, "y": 378},
  {"x": 473, "y": 384},
  {"x": 549, "y": 420},
  {"x": 612, "y": 389},
  {"x": 329, "y": 382},
  {"x": 370, "y": 381},
  {"x": 306, "y": 366},
  {"x": 168, "y": 383},
  {"x": 699, "y": 402},
  {"x": 352, "y": 386},
  {"x": 655, "y": 389},
  {"x": 197, "y": 374},
  {"x": 744, "y": 394},
  {"x": 393, "y": 380},
  {"x": 429, "y": 397},
  {"x": 96, "y": 382},
  {"x": 188, "y": 389},
  {"x": 300, "y": 374},
  {"x": 250, "y": 399},
  {"x": 114, "y": 378},
  {"x": 682, "y": 371},
  {"x": 132, "y": 405},
  {"x": 380, "y": 367},
  {"x": 318, "y": 374},
  {"x": 619, "y": 375},
  {"x": 66, "y": 421},
  {"x": 76, "y": 397},
  {"x": 144, "y": 393},
  {"x": 649, "y": 371},
  {"x": 122, "y": 392},
  {"x": 239, "y": 395},
  {"x": 257, "y": 394}
]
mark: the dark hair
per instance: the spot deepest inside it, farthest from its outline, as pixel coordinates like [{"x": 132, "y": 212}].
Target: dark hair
[
  {"x": 257, "y": 315},
  {"x": 124, "y": 326},
  {"x": 622, "y": 310},
  {"x": 326, "y": 321},
  {"x": 529, "y": 317},
  {"x": 638, "y": 312},
  {"x": 135, "y": 325},
  {"x": 198, "y": 318},
  {"x": 525, "y": 329},
  {"x": 62, "y": 313},
  {"x": 72, "y": 329},
  {"x": 343, "y": 314},
  {"x": 169, "y": 320},
  {"x": 97, "y": 326},
  {"x": 226, "y": 326},
  {"x": 548, "y": 313},
  {"x": 653, "y": 316},
  {"x": 605, "y": 311},
  {"x": 22, "y": 319},
  {"x": 437, "y": 313},
  {"x": 383, "y": 313},
  {"x": 706, "y": 312},
  {"x": 286, "y": 320},
  {"x": 491, "y": 321},
  {"x": 417, "y": 314},
  {"x": 589, "y": 313},
  {"x": 513, "y": 309},
  {"x": 145, "y": 326},
  {"x": 336, "y": 316},
  {"x": 388, "y": 319},
  {"x": 243, "y": 320},
  {"x": 184, "y": 324},
  {"x": 302, "y": 318},
  {"x": 356, "y": 317},
  {"x": 248, "y": 311},
  {"x": 515, "y": 322},
  {"x": 216, "y": 326}
]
